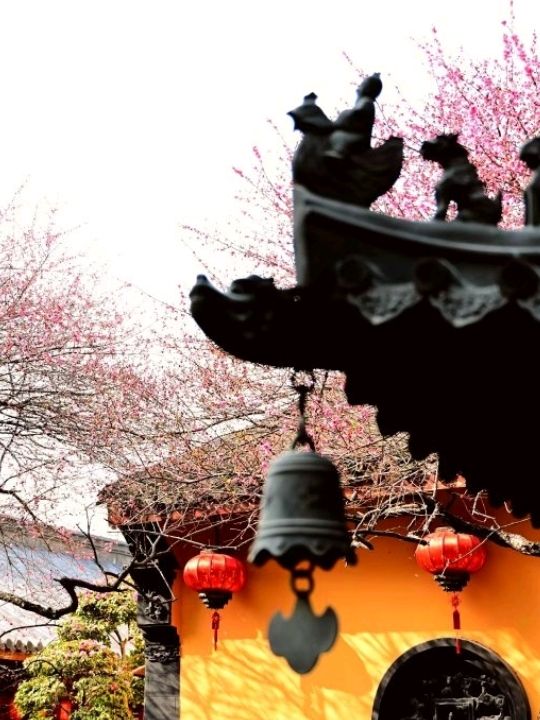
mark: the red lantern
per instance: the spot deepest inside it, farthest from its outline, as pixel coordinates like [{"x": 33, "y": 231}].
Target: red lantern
[
  {"x": 451, "y": 557},
  {"x": 215, "y": 576}
]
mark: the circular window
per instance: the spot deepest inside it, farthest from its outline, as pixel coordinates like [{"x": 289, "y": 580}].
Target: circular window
[{"x": 432, "y": 681}]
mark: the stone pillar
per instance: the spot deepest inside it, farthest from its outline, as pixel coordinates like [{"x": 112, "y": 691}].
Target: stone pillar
[
  {"x": 162, "y": 673},
  {"x": 162, "y": 643}
]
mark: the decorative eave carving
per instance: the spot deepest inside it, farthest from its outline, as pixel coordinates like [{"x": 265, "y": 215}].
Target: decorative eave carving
[
  {"x": 385, "y": 266},
  {"x": 356, "y": 266}
]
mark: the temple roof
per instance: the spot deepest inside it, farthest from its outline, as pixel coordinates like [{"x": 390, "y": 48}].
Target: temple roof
[{"x": 436, "y": 324}]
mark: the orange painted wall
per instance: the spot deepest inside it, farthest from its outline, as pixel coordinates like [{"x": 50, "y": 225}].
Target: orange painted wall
[{"x": 385, "y": 604}]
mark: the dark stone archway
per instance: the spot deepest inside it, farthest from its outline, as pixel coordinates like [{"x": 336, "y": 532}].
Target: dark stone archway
[{"x": 432, "y": 682}]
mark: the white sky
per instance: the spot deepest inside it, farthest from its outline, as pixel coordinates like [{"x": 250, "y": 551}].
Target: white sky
[{"x": 129, "y": 115}]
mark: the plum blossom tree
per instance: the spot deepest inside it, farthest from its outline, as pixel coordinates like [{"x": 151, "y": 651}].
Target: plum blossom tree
[
  {"x": 493, "y": 104},
  {"x": 75, "y": 386},
  {"x": 92, "y": 665}
]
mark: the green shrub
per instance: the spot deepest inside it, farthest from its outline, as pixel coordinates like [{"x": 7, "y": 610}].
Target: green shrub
[{"x": 82, "y": 666}]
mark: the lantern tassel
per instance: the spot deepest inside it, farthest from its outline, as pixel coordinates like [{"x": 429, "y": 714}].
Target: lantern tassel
[
  {"x": 456, "y": 618},
  {"x": 215, "y": 627}
]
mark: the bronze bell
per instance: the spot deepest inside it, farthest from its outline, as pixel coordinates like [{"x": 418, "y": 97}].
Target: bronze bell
[{"x": 302, "y": 514}]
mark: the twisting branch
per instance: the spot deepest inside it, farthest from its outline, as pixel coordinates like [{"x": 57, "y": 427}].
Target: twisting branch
[
  {"x": 428, "y": 505},
  {"x": 115, "y": 582},
  {"x": 70, "y": 585},
  {"x": 383, "y": 533},
  {"x": 25, "y": 627}
]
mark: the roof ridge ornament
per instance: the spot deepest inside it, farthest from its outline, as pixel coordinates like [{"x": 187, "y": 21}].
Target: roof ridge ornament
[
  {"x": 460, "y": 183},
  {"x": 335, "y": 159}
]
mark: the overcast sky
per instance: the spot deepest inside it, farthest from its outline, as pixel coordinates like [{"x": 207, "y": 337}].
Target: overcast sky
[{"x": 129, "y": 115}]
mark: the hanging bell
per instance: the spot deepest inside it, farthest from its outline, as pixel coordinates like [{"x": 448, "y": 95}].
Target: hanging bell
[{"x": 302, "y": 514}]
